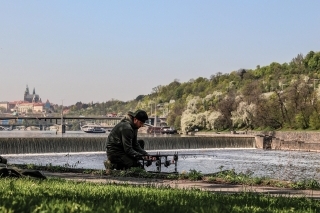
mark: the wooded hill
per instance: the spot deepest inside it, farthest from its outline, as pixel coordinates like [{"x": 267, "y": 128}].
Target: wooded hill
[{"x": 273, "y": 97}]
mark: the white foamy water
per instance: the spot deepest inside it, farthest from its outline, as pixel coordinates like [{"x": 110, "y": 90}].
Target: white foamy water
[{"x": 285, "y": 165}]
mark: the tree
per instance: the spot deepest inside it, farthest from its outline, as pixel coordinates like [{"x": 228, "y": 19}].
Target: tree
[
  {"x": 187, "y": 121},
  {"x": 315, "y": 120},
  {"x": 157, "y": 89},
  {"x": 177, "y": 122},
  {"x": 299, "y": 103},
  {"x": 252, "y": 92},
  {"x": 297, "y": 65},
  {"x": 308, "y": 57},
  {"x": 213, "y": 119},
  {"x": 174, "y": 116},
  {"x": 241, "y": 73},
  {"x": 268, "y": 114},
  {"x": 139, "y": 97},
  {"x": 178, "y": 93},
  {"x": 314, "y": 62},
  {"x": 243, "y": 115},
  {"x": 225, "y": 107}
]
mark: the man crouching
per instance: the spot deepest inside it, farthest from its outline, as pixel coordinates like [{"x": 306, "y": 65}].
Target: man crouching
[{"x": 123, "y": 148}]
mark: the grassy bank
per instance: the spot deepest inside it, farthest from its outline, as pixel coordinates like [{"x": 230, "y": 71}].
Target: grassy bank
[
  {"x": 223, "y": 176},
  {"x": 57, "y": 195}
]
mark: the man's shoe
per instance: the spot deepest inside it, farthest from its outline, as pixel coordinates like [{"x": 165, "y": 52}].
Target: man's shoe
[
  {"x": 109, "y": 166},
  {"x": 3, "y": 160}
]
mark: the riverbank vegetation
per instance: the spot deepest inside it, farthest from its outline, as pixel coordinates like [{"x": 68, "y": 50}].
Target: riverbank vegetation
[
  {"x": 273, "y": 97},
  {"x": 58, "y": 195},
  {"x": 221, "y": 177}
]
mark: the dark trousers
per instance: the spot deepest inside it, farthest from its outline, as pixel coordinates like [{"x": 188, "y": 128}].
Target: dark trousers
[{"x": 125, "y": 161}]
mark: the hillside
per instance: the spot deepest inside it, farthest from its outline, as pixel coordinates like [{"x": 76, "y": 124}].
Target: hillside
[{"x": 277, "y": 96}]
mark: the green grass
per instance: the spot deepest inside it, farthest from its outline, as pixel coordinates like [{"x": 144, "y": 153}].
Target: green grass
[
  {"x": 57, "y": 195},
  {"x": 223, "y": 176}
]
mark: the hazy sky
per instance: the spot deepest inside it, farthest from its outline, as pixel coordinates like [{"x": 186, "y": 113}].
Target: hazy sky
[{"x": 98, "y": 50}]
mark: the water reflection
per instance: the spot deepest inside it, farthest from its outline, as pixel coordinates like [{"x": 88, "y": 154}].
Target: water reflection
[{"x": 284, "y": 165}]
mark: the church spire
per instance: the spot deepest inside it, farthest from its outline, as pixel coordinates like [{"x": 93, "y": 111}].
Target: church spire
[{"x": 27, "y": 90}]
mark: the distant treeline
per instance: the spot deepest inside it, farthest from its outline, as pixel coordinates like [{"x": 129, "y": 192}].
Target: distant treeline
[{"x": 278, "y": 96}]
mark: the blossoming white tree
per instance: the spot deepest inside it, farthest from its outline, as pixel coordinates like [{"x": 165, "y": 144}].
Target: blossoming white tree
[
  {"x": 212, "y": 118},
  {"x": 192, "y": 118},
  {"x": 187, "y": 121},
  {"x": 188, "y": 117},
  {"x": 243, "y": 115}
]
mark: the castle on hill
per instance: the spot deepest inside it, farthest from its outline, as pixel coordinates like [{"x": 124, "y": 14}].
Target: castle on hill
[
  {"x": 31, "y": 98},
  {"x": 31, "y": 103}
]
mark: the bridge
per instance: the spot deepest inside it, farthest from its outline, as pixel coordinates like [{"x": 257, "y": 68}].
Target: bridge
[
  {"x": 58, "y": 118},
  {"x": 54, "y": 120}
]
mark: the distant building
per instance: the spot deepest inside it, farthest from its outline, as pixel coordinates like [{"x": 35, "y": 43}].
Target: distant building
[
  {"x": 38, "y": 107},
  {"x": 4, "y": 105},
  {"x": 47, "y": 105},
  {"x": 13, "y": 106},
  {"x": 24, "y": 107},
  {"x": 31, "y": 98}
]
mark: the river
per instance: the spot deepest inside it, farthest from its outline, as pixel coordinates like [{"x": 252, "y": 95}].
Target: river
[{"x": 284, "y": 165}]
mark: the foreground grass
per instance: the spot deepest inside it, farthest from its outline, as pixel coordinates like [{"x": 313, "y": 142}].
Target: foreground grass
[{"x": 58, "y": 195}]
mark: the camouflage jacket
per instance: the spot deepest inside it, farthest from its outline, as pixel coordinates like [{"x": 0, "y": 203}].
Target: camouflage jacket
[{"x": 122, "y": 140}]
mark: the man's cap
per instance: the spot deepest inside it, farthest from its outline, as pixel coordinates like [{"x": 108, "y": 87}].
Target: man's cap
[{"x": 141, "y": 115}]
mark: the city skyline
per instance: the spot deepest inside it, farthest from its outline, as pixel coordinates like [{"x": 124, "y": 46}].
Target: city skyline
[{"x": 79, "y": 51}]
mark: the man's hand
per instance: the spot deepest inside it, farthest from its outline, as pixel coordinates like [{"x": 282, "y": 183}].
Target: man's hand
[{"x": 148, "y": 157}]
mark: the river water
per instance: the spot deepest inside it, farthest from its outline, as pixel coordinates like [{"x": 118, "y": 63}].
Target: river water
[{"x": 284, "y": 165}]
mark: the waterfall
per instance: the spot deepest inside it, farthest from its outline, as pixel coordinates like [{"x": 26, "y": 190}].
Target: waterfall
[
  {"x": 198, "y": 142},
  {"x": 96, "y": 144}
]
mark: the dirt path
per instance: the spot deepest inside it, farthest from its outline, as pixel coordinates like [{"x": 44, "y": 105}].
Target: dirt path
[{"x": 186, "y": 184}]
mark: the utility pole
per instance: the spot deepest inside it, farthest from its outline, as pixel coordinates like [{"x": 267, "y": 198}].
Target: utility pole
[
  {"x": 155, "y": 118},
  {"x": 62, "y": 126},
  {"x": 155, "y": 114},
  {"x": 150, "y": 110}
]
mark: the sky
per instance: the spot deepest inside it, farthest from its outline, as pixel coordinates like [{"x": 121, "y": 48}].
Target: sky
[{"x": 94, "y": 51}]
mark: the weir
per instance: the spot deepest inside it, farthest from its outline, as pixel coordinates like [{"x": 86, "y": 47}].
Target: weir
[
  {"x": 198, "y": 142},
  {"x": 97, "y": 144}
]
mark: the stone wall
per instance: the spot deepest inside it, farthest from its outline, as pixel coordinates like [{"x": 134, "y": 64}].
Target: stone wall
[
  {"x": 284, "y": 140},
  {"x": 295, "y": 140},
  {"x": 305, "y": 136},
  {"x": 259, "y": 142},
  {"x": 294, "y": 145}
]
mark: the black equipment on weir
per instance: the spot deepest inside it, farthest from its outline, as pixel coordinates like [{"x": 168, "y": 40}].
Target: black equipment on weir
[
  {"x": 166, "y": 160},
  {"x": 161, "y": 160}
]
